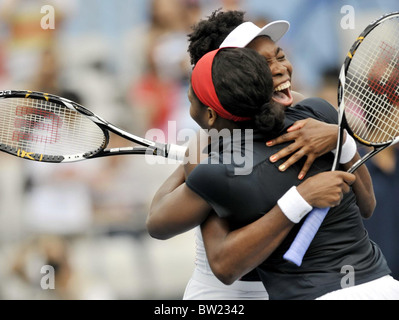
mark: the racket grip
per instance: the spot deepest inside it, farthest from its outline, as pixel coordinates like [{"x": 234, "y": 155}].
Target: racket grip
[
  {"x": 305, "y": 235},
  {"x": 176, "y": 152}
]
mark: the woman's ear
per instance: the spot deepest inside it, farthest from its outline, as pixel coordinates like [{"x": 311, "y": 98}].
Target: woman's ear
[{"x": 212, "y": 116}]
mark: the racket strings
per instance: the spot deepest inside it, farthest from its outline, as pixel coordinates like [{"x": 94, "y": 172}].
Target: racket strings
[
  {"x": 371, "y": 94},
  {"x": 42, "y": 127}
]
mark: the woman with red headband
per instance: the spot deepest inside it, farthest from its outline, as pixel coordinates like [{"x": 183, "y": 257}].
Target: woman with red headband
[
  {"x": 314, "y": 139},
  {"x": 231, "y": 90}
]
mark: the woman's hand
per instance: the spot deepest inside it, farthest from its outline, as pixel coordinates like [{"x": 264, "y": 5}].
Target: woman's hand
[
  {"x": 311, "y": 138},
  {"x": 326, "y": 189}
]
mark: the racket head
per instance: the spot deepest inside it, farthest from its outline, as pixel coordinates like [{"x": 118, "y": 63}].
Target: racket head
[
  {"x": 43, "y": 127},
  {"x": 368, "y": 93}
]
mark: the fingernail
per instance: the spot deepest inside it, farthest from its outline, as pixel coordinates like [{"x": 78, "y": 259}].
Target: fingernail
[
  {"x": 273, "y": 158},
  {"x": 300, "y": 177},
  {"x": 269, "y": 143},
  {"x": 282, "y": 167}
]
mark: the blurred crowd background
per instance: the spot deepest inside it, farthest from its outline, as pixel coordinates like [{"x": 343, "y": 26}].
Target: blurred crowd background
[{"x": 127, "y": 61}]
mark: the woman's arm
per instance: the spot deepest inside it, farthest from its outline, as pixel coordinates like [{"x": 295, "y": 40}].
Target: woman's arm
[
  {"x": 233, "y": 254},
  {"x": 312, "y": 139},
  {"x": 175, "y": 208},
  {"x": 363, "y": 188},
  {"x": 168, "y": 218}
]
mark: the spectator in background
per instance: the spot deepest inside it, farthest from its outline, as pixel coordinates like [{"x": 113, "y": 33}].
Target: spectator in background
[
  {"x": 58, "y": 198},
  {"x": 48, "y": 76},
  {"x": 28, "y": 260},
  {"x": 225, "y": 5},
  {"x": 329, "y": 86},
  {"x": 156, "y": 95},
  {"x": 26, "y": 39}
]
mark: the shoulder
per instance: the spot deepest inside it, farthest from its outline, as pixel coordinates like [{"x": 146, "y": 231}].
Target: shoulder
[
  {"x": 317, "y": 108},
  {"x": 319, "y": 104},
  {"x": 208, "y": 180}
]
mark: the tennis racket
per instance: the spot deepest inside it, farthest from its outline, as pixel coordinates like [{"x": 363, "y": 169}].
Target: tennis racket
[
  {"x": 43, "y": 127},
  {"x": 368, "y": 98}
]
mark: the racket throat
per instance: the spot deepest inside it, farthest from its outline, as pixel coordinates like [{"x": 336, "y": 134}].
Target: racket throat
[{"x": 361, "y": 161}]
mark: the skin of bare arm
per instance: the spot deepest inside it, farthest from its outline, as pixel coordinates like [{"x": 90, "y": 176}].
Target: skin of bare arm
[
  {"x": 225, "y": 251},
  {"x": 169, "y": 221},
  {"x": 175, "y": 208},
  {"x": 363, "y": 188}
]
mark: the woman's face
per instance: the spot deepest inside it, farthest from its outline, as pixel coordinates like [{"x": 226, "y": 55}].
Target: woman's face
[{"x": 280, "y": 67}]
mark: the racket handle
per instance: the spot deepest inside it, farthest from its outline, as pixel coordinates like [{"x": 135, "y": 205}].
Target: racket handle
[
  {"x": 305, "y": 235},
  {"x": 177, "y": 152}
]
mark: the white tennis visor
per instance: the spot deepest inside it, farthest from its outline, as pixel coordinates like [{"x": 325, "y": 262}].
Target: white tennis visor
[{"x": 247, "y": 31}]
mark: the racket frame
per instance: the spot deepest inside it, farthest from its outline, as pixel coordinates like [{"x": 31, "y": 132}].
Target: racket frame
[{"x": 148, "y": 147}]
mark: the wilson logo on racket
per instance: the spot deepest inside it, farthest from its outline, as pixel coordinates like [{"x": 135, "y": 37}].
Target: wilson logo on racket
[
  {"x": 36, "y": 125},
  {"x": 377, "y": 77},
  {"x": 29, "y": 155}
]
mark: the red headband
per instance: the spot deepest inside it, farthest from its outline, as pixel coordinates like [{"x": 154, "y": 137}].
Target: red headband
[{"x": 202, "y": 84}]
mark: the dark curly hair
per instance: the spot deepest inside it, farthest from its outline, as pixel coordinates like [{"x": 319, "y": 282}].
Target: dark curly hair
[{"x": 209, "y": 34}]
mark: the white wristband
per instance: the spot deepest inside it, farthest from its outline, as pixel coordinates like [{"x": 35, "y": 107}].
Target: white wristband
[
  {"x": 293, "y": 205},
  {"x": 348, "y": 151}
]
